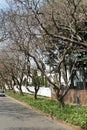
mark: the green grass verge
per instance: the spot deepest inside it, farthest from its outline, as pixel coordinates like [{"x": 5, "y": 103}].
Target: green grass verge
[{"x": 76, "y": 115}]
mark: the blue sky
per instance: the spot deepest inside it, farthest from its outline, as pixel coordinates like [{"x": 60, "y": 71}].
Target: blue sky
[{"x": 3, "y": 4}]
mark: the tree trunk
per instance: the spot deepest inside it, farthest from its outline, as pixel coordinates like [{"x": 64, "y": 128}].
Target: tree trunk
[
  {"x": 36, "y": 91},
  {"x": 72, "y": 82},
  {"x": 61, "y": 101},
  {"x": 84, "y": 79},
  {"x": 59, "y": 97},
  {"x": 13, "y": 90},
  {"x": 20, "y": 89}
]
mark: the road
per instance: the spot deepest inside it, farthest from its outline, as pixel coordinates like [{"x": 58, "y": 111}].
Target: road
[{"x": 15, "y": 116}]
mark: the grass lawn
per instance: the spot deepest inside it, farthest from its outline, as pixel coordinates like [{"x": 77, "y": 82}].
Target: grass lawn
[{"x": 76, "y": 115}]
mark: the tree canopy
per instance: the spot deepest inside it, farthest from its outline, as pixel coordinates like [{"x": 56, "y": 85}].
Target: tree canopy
[{"x": 48, "y": 34}]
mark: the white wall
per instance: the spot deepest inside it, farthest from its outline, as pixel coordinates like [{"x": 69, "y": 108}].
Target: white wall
[{"x": 44, "y": 91}]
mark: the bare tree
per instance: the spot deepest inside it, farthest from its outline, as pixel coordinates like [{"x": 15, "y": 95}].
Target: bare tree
[
  {"x": 48, "y": 33},
  {"x": 62, "y": 38}
]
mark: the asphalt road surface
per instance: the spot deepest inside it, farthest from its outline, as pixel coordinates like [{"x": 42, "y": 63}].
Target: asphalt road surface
[{"x": 15, "y": 116}]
